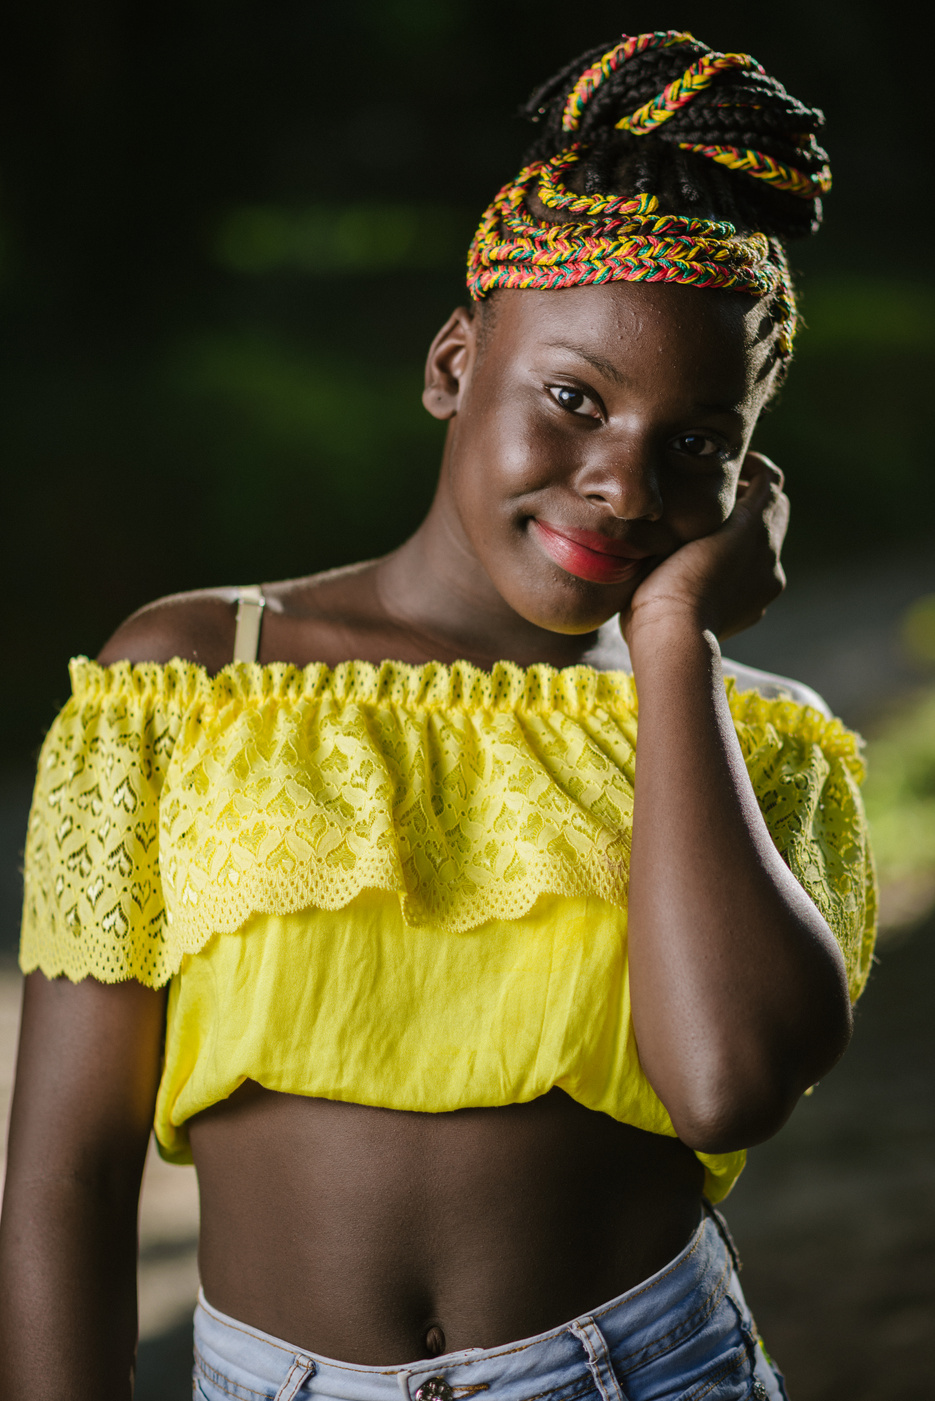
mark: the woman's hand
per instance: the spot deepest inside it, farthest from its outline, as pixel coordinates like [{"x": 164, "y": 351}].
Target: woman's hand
[{"x": 724, "y": 581}]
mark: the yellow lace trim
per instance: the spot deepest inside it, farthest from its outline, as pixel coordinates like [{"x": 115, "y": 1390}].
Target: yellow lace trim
[{"x": 171, "y": 805}]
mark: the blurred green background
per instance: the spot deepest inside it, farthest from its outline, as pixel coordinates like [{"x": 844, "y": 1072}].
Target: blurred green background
[{"x": 229, "y": 230}]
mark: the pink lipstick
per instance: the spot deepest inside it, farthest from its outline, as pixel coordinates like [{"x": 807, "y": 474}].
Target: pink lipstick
[{"x": 588, "y": 555}]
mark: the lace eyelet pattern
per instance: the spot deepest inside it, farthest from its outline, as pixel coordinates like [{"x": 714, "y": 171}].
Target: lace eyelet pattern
[{"x": 170, "y": 806}]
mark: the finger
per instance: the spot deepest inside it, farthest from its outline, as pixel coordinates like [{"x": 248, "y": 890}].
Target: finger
[
  {"x": 757, "y": 466},
  {"x": 761, "y": 492},
  {"x": 766, "y": 507}
]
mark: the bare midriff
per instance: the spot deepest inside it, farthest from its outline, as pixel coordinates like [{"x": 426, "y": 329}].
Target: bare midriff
[{"x": 379, "y": 1237}]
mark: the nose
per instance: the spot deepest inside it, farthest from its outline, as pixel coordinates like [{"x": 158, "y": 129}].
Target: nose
[{"x": 626, "y": 479}]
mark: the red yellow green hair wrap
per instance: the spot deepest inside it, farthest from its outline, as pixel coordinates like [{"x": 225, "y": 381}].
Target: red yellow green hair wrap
[
  {"x": 781, "y": 177},
  {"x": 611, "y": 238},
  {"x": 591, "y": 78},
  {"x": 682, "y": 90}
]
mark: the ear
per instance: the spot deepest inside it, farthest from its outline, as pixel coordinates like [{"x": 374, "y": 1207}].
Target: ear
[{"x": 448, "y": 364}]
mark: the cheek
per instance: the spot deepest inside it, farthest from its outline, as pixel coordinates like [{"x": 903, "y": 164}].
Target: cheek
[
  {"x": 697, "y": 507},
  {"x": 727, "y": 496},
  {"x": 503, "y": 453}
]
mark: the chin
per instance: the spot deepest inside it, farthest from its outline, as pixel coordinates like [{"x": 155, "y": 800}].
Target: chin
[
  {"x": 574, "y": 628},
  {"x": 583, "y": 609}
]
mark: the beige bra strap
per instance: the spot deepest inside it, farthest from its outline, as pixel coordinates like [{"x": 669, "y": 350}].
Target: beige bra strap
[{"x": 249, "y": 621}]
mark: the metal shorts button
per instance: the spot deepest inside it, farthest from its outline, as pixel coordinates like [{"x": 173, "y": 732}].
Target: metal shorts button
[
  {"x": 759, "y": 1391},
  {"x": 435, "y": 1389}
]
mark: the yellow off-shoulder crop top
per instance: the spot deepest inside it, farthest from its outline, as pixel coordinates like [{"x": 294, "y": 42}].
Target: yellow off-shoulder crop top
[{"x": 397, "y": 886}]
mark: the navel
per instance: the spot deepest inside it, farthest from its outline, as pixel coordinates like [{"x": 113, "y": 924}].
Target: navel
[{"x": 434, "y": 1341}]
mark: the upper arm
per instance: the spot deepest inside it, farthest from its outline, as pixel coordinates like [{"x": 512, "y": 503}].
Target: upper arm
[
  {"x": 90, "y": 1052},
  {"x": 87, "y": 1073},
  {"x": 88, "y": 1069}
]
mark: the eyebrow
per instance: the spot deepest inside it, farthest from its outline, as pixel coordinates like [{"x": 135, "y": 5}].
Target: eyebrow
[
  {"x": 730, "y": 410},
  {"x": 604, "y": 367}
]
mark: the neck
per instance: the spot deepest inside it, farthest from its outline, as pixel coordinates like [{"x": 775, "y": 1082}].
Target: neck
[{"x": 435, "y": 589}]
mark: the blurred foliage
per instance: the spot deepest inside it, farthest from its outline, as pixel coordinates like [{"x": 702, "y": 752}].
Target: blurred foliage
[
  {"x": 900, "y": 798},
  {"x": 871, "y": 313},
  {"x": 850, "y": 427},
  {"x": 334, "y": 238},
  {"x": 349, "y": 445},
  {"x": 918, "y": 631},
  {"x": 228, "y": 232}
]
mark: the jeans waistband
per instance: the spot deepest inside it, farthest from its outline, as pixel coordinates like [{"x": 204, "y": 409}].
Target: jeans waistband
[{"x": 636, "y": 1327}]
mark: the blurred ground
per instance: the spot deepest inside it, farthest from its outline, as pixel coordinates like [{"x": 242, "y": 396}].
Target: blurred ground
[
  {"x": 840, "y": 630},
  {"x": 835, "y": 1218}
]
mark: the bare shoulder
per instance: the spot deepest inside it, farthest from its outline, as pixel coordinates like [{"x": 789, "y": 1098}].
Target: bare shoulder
[
  {"x": 197, "y": 627},
  {"x": 769, "y": 684},
  {"x": 326, "y": 617}
]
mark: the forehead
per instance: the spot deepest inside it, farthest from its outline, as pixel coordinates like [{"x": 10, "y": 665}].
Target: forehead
[{"x": 698, "y": 339}]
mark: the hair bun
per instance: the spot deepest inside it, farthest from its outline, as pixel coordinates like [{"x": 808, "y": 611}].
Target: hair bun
[{"x": 723, "y": 109}]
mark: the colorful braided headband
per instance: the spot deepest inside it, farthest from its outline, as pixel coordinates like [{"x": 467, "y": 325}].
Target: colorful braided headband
[{"x": 614, "y": 238}]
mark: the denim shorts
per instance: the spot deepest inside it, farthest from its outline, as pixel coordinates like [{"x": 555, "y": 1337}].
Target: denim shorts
[{"x": 682, "y": 1335}]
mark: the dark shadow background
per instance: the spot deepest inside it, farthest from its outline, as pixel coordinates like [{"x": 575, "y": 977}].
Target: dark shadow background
[{"x": 228, "y": 231}]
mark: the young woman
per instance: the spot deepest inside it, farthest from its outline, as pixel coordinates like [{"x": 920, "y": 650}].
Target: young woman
[{"x": 465, "y": 1001}]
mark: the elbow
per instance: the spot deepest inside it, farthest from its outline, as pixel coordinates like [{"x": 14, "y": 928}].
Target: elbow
[
  {"x": 726, "y": 1125},
  {"x": 737, "y": 1101}
]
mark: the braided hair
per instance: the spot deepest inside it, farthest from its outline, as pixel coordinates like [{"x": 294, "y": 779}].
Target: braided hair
[
  {"x": 740, "y": 108},
  {"x": 659, "y": 160}
]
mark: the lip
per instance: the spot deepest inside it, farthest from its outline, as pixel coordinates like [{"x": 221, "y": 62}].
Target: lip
[{"x": 588, "y": 555}]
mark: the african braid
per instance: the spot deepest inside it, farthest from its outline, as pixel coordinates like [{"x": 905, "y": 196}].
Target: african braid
[{"x": 674, "y": 162}]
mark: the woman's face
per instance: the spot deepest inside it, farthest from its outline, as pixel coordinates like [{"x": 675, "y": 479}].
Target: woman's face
[{"x": 593, "y": 431}]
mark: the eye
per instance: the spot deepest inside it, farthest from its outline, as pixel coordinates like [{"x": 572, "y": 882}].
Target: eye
[
  {"x": 574, "y": 401},
  {"x": 699, "y": 445}
]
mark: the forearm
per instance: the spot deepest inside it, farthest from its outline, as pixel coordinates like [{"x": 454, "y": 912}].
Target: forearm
[
  {"x": 738, "y": 989},
  {"x": 68, "y": 1320}
]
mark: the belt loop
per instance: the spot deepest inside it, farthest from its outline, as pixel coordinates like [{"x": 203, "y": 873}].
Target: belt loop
[
  {"x": 592, "y": 1340},
  {"x": 301, "y": 1371},
  {"x": 402, "y": 1377},
  {"x": 723, "y": 1231}
]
